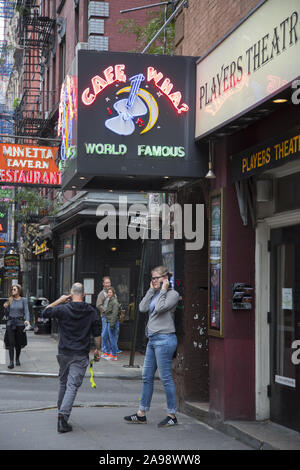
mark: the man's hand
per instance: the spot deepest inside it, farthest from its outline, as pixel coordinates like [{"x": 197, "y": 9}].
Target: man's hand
[
  {"x": 97, "y": 355},
  {"x": 64, "y": 298},
  {"x": 165, "y": 284}
]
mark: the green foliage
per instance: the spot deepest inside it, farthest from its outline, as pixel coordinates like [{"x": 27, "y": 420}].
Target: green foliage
[
  {"x": 16, "y": 103},
  {"x": 145, "y": 33},
  {"x": 23, "y": 10},
  {"x": 31, "y": 205}
]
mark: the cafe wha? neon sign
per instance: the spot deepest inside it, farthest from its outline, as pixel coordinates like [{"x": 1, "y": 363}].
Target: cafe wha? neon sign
[{"x": 139, "y": 101}]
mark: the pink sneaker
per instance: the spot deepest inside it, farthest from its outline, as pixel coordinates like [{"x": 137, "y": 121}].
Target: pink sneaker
[{"x": 112, "y": 358}]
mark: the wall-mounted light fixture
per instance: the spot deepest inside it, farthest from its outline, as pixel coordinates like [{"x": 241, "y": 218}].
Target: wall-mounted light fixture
[
  {"x": 210, "y": 174},
  {"x": 264, "y": 190}
]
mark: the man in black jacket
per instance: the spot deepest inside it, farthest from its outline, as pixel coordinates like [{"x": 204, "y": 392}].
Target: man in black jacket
[{"x": 77, "y": 320}]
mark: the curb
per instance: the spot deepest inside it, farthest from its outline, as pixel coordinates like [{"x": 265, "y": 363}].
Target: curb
[
  {"x": 55, "y": 375},
  {"x": 229, "y": 428}
]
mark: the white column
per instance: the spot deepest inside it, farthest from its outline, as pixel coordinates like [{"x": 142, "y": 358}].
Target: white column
[{"x": 262, "y": 329}]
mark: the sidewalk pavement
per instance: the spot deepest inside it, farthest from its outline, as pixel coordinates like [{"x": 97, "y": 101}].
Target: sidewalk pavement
[{"x": 39, "y": 359}]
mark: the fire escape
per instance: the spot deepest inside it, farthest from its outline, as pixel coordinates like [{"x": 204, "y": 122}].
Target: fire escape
[
  {"x": 35, "y": 36},
  {"x": 6, "y": 65}
]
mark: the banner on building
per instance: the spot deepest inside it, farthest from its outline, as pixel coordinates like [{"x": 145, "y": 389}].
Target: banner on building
[
  {"x": 267, "y": 155},
  {"x": 29, "y": 165}
]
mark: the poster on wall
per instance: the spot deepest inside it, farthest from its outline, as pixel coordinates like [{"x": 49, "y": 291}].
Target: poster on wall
[{"x": 215, "y": 318}]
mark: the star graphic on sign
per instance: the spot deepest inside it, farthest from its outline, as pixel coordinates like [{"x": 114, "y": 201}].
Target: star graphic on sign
[
  {"x": 107, "y": 99},
  {"x": 159, "y": 94}
]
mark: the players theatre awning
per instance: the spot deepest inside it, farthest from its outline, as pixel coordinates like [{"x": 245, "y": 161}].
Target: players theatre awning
[{"x": 127, "y": 122}]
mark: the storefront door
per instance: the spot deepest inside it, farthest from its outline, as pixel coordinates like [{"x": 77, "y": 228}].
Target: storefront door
[{"x": 285, "y": 326}]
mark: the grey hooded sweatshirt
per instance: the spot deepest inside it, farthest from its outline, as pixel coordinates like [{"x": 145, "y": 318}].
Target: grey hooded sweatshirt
[{"x": 161, "y": 320}]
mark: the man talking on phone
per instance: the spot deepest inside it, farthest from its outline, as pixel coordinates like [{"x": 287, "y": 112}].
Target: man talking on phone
[{"x": 77, "y": 320}]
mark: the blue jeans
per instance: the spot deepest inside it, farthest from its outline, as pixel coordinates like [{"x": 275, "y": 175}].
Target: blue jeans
[
  {"x": 110, "y": 337},
  {"x": 159, "y": 354},
  {"x": 105, "y": 339}
]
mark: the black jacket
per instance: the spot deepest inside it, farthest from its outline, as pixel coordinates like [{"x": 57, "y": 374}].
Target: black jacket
[{"x": 77, "y": 321}]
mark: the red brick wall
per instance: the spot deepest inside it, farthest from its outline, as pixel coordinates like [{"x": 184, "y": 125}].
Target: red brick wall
[
  {"x": 207, "y": 21},
  {"x": 122, "y": 41}
]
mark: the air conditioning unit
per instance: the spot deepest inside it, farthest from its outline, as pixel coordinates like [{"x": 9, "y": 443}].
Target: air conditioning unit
[
  {"x": 81, "y": 45},
  {"x": 98, "y": 9}
]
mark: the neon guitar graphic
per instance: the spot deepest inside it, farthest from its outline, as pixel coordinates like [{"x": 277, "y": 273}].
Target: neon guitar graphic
[{"x": 128, "y": 109}]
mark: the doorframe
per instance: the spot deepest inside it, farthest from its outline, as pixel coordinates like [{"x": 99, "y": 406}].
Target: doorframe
[{"x": 262, "y": 306}]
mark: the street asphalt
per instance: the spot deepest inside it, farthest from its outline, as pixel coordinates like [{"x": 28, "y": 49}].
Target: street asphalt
[{"x": 28, "y": 412}]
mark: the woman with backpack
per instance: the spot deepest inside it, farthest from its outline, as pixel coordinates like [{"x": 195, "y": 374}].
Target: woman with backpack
[
  {"x": 160, "y": 302},
  {"x": 18, "y": 316}
]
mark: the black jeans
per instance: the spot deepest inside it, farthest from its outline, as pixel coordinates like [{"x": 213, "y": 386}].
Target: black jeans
[{"x": 14, "y": 338}]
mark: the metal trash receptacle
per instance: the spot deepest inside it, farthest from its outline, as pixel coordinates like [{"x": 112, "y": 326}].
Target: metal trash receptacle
[{"x": 42, "y": 326}]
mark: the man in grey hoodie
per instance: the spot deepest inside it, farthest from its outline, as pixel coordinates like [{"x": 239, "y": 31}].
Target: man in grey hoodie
[{"x": 77, "y": 320}]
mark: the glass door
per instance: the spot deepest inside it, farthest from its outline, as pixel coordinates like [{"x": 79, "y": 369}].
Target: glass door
[{"x": 285, "y": 326}]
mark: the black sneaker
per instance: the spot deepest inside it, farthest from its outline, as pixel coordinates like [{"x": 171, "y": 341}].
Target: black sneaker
[
  {"x": 136, "y": 419},
  {"x": 168, "y": 421},
  {"x": 63, "y": 425}
]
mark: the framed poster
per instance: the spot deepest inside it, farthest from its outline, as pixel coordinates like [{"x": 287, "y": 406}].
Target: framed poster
[{"x": 215, "y": 268}]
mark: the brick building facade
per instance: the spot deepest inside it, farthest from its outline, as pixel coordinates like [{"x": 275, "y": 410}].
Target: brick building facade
[{"x": 200, "y": 26}]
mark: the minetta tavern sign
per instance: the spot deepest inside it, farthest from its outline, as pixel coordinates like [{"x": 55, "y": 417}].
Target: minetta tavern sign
[
  {"x": 133, "y": 122},
  {"x": 29, "y": 165}
]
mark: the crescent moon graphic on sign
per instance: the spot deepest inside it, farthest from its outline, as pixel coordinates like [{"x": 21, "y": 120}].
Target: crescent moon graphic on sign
[{"x": 150, "y": 102}]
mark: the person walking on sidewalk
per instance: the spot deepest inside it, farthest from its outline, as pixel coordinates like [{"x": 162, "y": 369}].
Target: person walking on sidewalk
[
  {"x": 111, "y": 313},
  {"x": 15, "y": 336},
  {"x": 160, "y": 302},
  {"x": 77, "y": 320}
]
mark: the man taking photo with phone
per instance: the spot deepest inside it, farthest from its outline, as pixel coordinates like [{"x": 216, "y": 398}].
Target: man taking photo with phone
[{"x": 77, "y": 320}]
